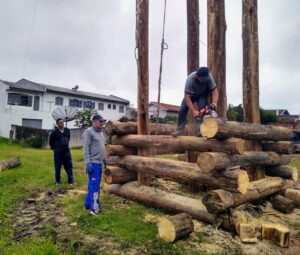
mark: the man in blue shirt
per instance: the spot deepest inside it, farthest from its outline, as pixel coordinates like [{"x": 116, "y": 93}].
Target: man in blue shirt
[{"x": 199, "y": 86}]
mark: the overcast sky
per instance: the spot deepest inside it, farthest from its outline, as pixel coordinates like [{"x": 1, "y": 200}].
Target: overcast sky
[{"x": 91, "y": 43}]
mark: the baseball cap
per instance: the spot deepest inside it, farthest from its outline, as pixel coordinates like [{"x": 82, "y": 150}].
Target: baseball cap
[
  {"x": 203, "y": 72},
  {"x": 98, "y": 117}
]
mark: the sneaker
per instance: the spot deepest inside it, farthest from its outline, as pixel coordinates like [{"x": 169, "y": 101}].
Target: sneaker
[
  {"x": 58, "y": 183},
  {"x": 178, "y": 132},
  {"x": 93, "y": 213}
]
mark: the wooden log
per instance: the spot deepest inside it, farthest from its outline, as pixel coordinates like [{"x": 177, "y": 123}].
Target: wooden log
[
  {"x": 281, "y": 147},
  {"x": 184, "y": 172},
  {"x": 283, "y": 171},
  {"x": 220, "y": 128},
  {"x": 244, "y": 226},
  {"x": 210, "y": 161},
  {"x": 294, "y": 195},
  {"x": 112, "y": 160},
  {"x": 219, "y": 200},
  {"x": 276, "y": 233},
  {"x": 250, "y": 62},
  {"x": 114, "y": 175},
  {"x": 181, "y": 157},
  {"x": 9, "y": 163},
  {"x": 130, "y": 128},
  {"x": 296, "y": 148},
  {"x": 282, "y": 204},
  {"x": 172, "y": 228},
  {"x": 216, "y": 49},
  {"x": 180, "y": 144},
  {"x": 119, "y": 150},
  {"x": 161, "y": 199}
]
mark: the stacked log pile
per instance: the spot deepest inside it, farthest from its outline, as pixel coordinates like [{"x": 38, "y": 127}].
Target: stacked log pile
[{"x": 223, "y": 165}]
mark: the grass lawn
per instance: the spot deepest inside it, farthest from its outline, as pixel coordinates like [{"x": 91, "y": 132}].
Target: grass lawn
[{"x": 123, "y": 224}]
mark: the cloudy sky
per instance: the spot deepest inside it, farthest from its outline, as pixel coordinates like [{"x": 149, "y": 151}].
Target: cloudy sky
[{"x": 91, "y": 43}]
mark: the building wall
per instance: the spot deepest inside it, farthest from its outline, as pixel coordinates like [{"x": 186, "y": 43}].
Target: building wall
[
  {"x": 153, "y": 111},
  {"x": 13, "y": 114}
]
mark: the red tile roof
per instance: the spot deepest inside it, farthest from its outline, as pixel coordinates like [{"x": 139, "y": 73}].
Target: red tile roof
[{"x": 169, "y": 107}]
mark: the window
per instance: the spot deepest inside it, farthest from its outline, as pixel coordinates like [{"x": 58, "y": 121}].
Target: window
[
  {"x": 101, "y": 106},
  {"x": 114, "y": 107},
  {"x": 121, "y": 108},
  {"x": 36, "y": 103},
  {"x": 59, "y": 101},
  {"x": 19, "y": 99},
  {"x": 89, "y": 105},
  {"x": 109, "y": 106},
  {"x": 75, "y": 103}
]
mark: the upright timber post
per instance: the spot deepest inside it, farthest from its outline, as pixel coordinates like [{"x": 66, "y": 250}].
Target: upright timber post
[
  {"x": 142, "y": 17},
  {"x": 216, "y": 49},
  {"x": 192, "y": 57},
  {"x": 251, "y": 70}
]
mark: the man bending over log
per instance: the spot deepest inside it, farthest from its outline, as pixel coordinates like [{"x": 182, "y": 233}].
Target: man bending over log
[{"x": 198, "y": 86}]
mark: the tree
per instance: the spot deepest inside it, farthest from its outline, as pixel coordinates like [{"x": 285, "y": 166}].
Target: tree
[
  {"x": 235, "y": 113},
  {"x": 83, "y": 118},
  {"x": 267, "y": 117}
]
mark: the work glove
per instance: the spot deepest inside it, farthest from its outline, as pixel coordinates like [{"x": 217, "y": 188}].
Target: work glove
[
  {"x": 104, "y": 164},
  {"x": 89, "y": 168},
  {"x": 213, "y": 107}
]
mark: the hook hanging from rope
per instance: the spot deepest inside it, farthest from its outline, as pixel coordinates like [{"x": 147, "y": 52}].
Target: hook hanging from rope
[{"x": 163, "y": 46}]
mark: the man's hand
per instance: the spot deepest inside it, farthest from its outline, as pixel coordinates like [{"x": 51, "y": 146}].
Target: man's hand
[
  {"x": 213, "y": 107},
  {"x": 195, "y": 114},
  {"x": 89, "y": 168}
]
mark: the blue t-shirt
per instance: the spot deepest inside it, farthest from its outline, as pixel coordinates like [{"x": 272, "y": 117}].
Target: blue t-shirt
[{"x": 194, "y": 87}]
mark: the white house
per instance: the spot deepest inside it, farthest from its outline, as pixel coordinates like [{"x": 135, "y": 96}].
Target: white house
[
  {"x": 164, "y": 110},
  {"x": 30, "y": 104}
]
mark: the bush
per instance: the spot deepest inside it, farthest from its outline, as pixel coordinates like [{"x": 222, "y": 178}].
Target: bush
[
  {"x": 34, "y": 142},
  {"x": 170, "y": 118},
  {"x": 83, "y": 118}
]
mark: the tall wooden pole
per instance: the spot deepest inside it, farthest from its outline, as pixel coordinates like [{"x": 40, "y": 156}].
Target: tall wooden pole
[
  {"x": 192, "y": 57},
  {"x": 251, "y": 71},
  {"x": 216, "y": 49},
  {"x": 250, "y": 62},
  {"x": 142, "y": 18}
]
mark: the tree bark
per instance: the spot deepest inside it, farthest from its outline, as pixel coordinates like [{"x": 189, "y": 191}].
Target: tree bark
[
  {"x": 113, "y": 175},
  {"x": 130, "y": 128},
  {"x": 172, "y": 228},
  {"x": 193, "y": 23},
  {"x": 211, "y": 161},
  {"x": 170, "y": 144},
  {"x": 219, "y": 128},
  {"x": 183, "y": 172},
  {"x": 294, "y": 195},
  {"x": 217, "y": 201},
  {"x": 9, "y": 163},
  {"x": 282, "y": 204},
  {"x": 276, "y": 233},
  {"x": 250, "y": 62},
  {"x": 281, "y": 147},
  {"x": 142, "y": 18},
  {"x": 216, "y": 49},
  {"x": 119, "y": 150},
  {"x": 283, "y": 171}
]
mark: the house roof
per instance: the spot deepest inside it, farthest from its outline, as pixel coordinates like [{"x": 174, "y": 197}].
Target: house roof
[
  {"x": 168, "y": 107},
  {"x": 278, "y": 112},
  {"x": 39, "y": 87}
]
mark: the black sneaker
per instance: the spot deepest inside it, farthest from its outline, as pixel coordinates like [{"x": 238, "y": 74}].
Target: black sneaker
[{"x": 178, "y": 132}]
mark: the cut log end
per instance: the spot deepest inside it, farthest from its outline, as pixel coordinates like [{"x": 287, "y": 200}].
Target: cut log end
[
  {"x": 278, "y": 233},
  {"x": 108, "y": 176},
  {"x": 243, "y": 182},
  {"x": 247, "y": 233},
  {"x": 172, "y": 228},
  {"x": 209, "y": 128}
]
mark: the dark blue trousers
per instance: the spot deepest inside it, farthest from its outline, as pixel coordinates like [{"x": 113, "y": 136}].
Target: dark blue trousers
[
  {"x": 92, "y": 201},
  {"x": 63, "y": 158}
]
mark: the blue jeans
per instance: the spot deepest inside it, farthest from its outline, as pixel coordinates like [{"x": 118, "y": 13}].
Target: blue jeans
[
  {"x": 184, "y": 109},
  {"x": 63, "y": 158},
  {"x": 92, "y": 201}
]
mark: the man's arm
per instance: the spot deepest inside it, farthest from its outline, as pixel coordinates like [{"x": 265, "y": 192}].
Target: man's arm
[
  {"x": 51, "y": 140},
  {"x": 86, "y": 146},
  {"x": 215, "y": 96},
  {"x": 190, "y": 104}
]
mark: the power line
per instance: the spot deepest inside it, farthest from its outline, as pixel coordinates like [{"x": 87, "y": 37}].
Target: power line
[{"x": 29, "y": 37}]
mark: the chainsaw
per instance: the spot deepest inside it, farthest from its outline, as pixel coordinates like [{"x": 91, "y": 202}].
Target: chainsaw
[{"x": 207, "y": 113}]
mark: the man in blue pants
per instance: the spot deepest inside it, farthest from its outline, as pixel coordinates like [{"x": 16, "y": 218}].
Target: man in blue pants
[{"x": 94, "y": 156}]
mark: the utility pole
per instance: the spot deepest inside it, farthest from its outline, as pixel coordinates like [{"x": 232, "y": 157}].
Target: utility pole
[
  {"x": 216, "y": 49},
  {"x": 142, "y": 32}
]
